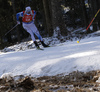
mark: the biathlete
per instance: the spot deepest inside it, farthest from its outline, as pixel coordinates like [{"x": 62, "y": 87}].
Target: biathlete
[{"x": 28, "y": 17}]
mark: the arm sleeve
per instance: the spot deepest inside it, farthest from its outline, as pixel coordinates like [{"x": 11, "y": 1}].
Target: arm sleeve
[
  {"x": 34, "y": 14},
  {"x": 20, "y": 14}
]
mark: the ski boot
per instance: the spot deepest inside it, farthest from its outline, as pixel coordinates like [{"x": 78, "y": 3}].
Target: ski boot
[
  {"x": 36, "y": 44},
  {"x": 44, "y": 45}
]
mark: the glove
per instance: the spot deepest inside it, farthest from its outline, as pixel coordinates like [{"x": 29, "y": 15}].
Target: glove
[{"x": 18, "y": 22}]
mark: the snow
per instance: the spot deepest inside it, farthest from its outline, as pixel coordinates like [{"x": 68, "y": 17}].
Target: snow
[
  {"x": 61, "y": 59},
  {"x": 7, "y": 76}
]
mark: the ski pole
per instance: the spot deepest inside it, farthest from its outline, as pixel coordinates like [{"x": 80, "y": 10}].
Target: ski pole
[
  {"x": 93, "y": 19},
  {"x": 90, "y": 23},
  {"x": 11, "y": 29}
]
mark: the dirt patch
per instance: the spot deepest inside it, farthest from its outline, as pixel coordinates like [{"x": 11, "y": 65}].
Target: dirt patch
[{"x": 74, "y": 82}]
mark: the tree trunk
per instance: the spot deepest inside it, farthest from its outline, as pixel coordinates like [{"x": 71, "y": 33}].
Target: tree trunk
[
  {"x": 94, "y": 10},
  {"x": 47, "y": 17},
  {"x": 85, "y": 17},
  {"x": 14, "y": 18},
  {"x": 57, "y": 17},
  {"x": 98, "y": 18}
]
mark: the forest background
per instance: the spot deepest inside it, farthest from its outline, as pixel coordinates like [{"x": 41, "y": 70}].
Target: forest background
[{"x": 63, "y": 16}]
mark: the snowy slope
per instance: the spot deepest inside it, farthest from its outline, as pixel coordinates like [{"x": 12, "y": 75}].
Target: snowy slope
[{"x": 64, "y": 58}]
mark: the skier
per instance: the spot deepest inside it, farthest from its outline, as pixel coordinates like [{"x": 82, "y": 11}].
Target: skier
[{"x": 28, "y": 18}]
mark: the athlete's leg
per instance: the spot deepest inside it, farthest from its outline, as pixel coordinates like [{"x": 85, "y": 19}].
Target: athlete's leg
[
  {"x": 36, "y": 32},
  {"x": 27, "y": 28}
]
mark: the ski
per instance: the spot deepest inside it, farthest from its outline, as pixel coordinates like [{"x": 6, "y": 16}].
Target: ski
[
  {"x": 56, "y": 45},
  {"x": 40, "y": 49}
]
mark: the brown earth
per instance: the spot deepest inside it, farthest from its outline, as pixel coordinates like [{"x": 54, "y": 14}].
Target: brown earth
[{"x": 74, "y": 82}]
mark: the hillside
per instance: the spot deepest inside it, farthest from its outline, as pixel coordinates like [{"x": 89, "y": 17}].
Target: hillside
[{"x": 62, "y": 60}]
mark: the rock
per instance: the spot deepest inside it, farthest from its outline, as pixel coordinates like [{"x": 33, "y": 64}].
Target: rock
[{"x": 26, "y": 83}]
